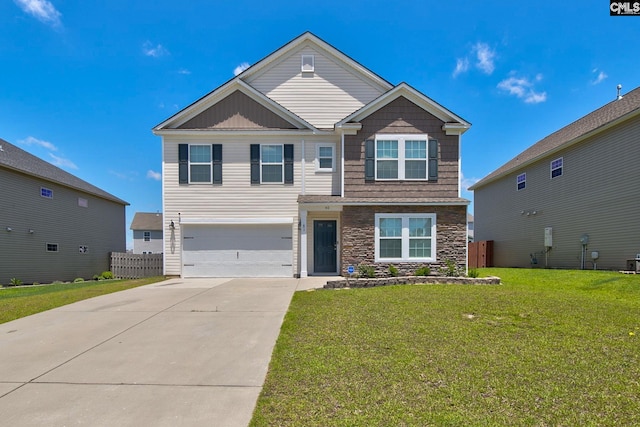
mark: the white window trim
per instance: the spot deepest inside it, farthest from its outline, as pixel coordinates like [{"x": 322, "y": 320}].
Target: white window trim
[
  {"x": 210, "y": 163},
  {"x": 281, "y": 163},
  {"x": 518, "y": 183},
  {"x": 405, "y": 237},
  {"x": 49, "y": 192},
  {"x": 333, "y": 157},
  {"x": 310, "y": 69},
  {"x": 146, "y": 236},
  {"x": 401, "y": 138},
  {"x": 551, "y": 168}
]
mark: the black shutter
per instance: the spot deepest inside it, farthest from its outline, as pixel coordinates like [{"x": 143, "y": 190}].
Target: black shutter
[
  {"x": 433, "y": 160},
  {"x": 369, "y": 160},
  {"x": 216, "y": 151},
  {"x": 288, "y": 163},
  {"x": 255, "y": 163},
  {"x": 183, "y": 163}
]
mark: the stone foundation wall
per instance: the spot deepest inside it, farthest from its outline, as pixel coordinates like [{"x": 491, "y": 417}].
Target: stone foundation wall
[{"x": 358, "y": 238}]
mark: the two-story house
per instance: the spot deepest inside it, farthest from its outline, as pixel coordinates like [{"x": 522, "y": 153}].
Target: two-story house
[
  {"x": 571, "y": 199},
  {"x": 53, "y": 225},
  {"x": 147, "y": 233},
  {"x": 309, "y": 163}
]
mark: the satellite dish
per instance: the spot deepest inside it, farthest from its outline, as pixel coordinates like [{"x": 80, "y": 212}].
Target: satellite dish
[{"x": 584, "y": 239}]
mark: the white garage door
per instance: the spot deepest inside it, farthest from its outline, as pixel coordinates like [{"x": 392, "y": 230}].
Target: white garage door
[{"x": 247, "y": 250}]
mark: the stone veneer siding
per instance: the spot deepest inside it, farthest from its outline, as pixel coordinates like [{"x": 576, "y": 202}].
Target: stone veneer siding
[{"x": 358, "y": 237}]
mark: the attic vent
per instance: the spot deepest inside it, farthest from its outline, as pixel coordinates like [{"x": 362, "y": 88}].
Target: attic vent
[{"x": 308, "y": 64}]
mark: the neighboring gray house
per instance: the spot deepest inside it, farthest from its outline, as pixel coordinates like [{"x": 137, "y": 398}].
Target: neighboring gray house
[
  {"x": 470, "y": 227},
  {"x": 147, "y": 233},
  {"x": 571, "y": 200},
  {"x": 309, "y": 163},
  {"x": 53, "y": 225}
]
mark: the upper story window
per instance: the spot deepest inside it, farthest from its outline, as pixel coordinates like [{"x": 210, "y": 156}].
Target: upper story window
[
  {"x": 146, "y": 236},
  {"x": 325, "y": 158},
  {"x": 271, "y": 163},
  {"x": 405, "y": 237},
  {"x": 200, "y": 163},
  {"x": 52, "y": 247},
  {"x": 46, "y": 193},
  {"x": 556, "y": 168},
  {"x": 308, "y": 64},
  {"x": 83, "y": 203},
  {"x": 401, "y": 157},
  {"x": 521, "y": 181}
]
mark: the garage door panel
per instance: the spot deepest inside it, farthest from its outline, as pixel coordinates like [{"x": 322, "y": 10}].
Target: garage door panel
[{"x": 238, "y": 251}]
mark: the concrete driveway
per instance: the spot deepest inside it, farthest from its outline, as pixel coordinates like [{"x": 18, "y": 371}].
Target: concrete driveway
[{"x": 183, "y": 352}]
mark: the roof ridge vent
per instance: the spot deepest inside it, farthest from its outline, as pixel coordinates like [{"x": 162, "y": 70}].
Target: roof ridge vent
[{"x": 619, "y": 97}]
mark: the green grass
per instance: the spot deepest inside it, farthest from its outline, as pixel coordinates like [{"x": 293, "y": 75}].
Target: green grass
[
  {"x": 545, "y": 348},
  {"x": 24, "y": 301}
]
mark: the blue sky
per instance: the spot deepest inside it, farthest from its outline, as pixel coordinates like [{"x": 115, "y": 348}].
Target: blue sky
[{"x": 83, "y": 83}]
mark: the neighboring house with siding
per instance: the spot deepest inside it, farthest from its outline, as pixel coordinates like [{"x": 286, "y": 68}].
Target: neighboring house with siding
[
  {"x": 580, "y": 184},
  {"x": 308, "y": 163},
  {"x": 147, "y": 233},
  {"x": 53, "y": 225}
]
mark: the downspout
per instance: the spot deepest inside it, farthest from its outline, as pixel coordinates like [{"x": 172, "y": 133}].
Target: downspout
[
  {"x": 303, "y": 166},
  {"x": 342, "y": 164}
]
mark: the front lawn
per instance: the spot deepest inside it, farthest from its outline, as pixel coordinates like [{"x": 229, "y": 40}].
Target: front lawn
[
  {"x": 26, "y": 300},
  {"x": 545, "y": 348}
]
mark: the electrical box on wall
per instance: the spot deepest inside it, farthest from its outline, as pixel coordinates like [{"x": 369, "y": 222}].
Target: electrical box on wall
[{"x": 548, "y": 237}]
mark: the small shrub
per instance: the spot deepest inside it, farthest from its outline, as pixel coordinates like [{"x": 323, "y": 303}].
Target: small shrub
[
  {"x": 423, "y": 271},
  {"x": 473, "y": 272},
  {"x": 78, "y": 280},
  {"x": 57, "y": 282},
  {"x": 15, "y": 282},
  {"x": 106, "y": 275},
  {"x": 366, "y": 271},
  {"x": 393, "y": 270},
  {"x": 97, "y": 277},
  {"x": 450, "y": 270}
]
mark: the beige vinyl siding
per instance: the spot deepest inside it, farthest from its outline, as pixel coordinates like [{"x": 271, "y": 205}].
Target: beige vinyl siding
[
  {"x": 100, "y": 226},
  {"x": 323, "y": 97},
  {"x": 319, "y": 182},
  {"x": 236, "y": 198},
  {"x": 597, "y": 195}
]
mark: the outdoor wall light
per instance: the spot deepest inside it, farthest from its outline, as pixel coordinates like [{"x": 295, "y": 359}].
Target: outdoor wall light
[{"x": 172, "y": 225}]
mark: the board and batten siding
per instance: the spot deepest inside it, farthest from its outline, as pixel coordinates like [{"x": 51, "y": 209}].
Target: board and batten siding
[
  {"x": 598, "y": 195},
  {"x": 401, "y": 116},
  {"x": 323, "y": 97},
  {"x": 100, "y": 227},
  {"x": 237, "y": 198}
]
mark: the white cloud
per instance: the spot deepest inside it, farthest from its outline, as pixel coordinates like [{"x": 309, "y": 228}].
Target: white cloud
[
  {"x": 462, "y": 65},
  {"x": 523, "y": 88},
  {"x": 62, "y": 162},
  {"x": 240, "y": 68},
  {"x": 154, "y": 51},
  {"x": 467, "y": 182},
  {"x": 43, "y": 10},
  {"x": 599, "y": 78},
  {"x": 485, "y": 57},
  {"x": 184, "y": 71},
  {"x": 154, "y": 175},
  {"x": 30, "y": 140}
]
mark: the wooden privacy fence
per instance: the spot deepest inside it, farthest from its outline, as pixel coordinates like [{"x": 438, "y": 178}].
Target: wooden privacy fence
[
  {"x": 481, "y": 254},
  {"x": 135, "y": 266}
]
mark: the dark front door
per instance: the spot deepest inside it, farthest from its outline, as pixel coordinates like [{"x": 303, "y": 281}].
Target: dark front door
[{"x": 324, "y": 246}]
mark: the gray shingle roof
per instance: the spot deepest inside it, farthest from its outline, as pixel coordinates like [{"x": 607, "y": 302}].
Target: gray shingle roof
[
  {"x": 592, "y": 122},
  {"x": 14, "y": 158},
  {"x": 147, "y": 221}
]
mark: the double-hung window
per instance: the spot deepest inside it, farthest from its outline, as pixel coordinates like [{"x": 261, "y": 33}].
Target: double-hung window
[
  {"x": 556, "y": 168},
  {"x": 200, "y": 163},
  {"x": 405, "y": 237},
  {"x": 521, "y": 181},
  {"x": 271, "y": 163},
  {"x": 325, "y": 157},
  {"x": 401, "y": 157}
]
